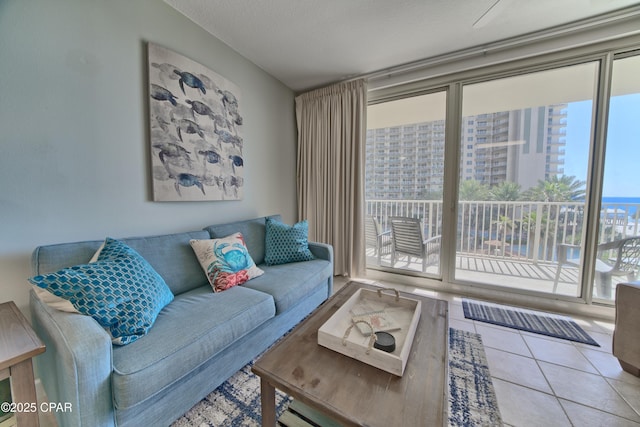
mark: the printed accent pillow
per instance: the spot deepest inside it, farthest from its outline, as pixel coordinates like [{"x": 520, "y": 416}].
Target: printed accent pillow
[
  {"x": 121, "y": 291},
  {"x": 286, "y": 243},
  {"x": 225, "y": 261}
]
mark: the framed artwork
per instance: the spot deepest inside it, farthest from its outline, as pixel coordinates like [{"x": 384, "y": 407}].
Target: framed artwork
[{"x": 196, "y": 128}]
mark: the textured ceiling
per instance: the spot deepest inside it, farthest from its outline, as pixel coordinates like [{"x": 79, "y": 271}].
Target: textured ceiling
[{"x": 310, "y": 43}]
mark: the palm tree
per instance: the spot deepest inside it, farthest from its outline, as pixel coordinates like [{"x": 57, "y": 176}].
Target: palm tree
[
  {"x": 473, "y": 190},
  {"x": 506, "y": 190},
  {"x": 430, "y": 195},
  {"x": 576, "y": 187},
  {"x": 529, "y": 225},
  {"x": 503, "y": 224},
  {"x": 557, "y": 189}
]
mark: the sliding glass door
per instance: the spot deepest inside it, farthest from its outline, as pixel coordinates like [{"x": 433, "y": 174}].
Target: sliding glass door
[
  {"x": 618, "y": 251},
  {"x": 404, "y": 181},
  {"x": 524, "y": 153},
  {"x": 541, "y": 170}
]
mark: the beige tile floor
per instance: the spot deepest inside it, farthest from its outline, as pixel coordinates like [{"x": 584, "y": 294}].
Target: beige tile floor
[{"x": 543, "y": 381}]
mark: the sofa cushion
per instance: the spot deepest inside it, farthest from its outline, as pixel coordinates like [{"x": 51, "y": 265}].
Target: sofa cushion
[
  {"x": 192, "y": 329},
  {"x": 290, "y": 283},
  {"x": 225, "y": 261},
  {"x": 172, "y": 257},
  {"x": 286, "y": 243},
  {"x": 163, "y": 252},
  {"x": 51, "y": 258},
  {"x": 120, "y": 290},
  {"x": 253, "y": 231}
]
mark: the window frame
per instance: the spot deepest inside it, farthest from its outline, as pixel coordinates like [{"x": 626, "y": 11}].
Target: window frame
[{"x": 602, "y": 52}]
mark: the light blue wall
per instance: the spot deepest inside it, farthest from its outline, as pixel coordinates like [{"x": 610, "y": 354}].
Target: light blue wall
[{"x": 74, "y": 156}]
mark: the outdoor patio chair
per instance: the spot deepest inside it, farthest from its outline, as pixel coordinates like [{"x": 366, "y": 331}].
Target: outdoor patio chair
[
  {"x": 408, "y": 239},
  {"x": 625, "y": 262},
  {"x": 376, "y": 238}
]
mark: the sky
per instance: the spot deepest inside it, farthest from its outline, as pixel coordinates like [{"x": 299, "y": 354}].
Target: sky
[{"x": 622, "y": 160}]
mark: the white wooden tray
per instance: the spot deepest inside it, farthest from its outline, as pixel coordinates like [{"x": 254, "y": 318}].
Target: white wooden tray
[{"x": 400, "y": 318}]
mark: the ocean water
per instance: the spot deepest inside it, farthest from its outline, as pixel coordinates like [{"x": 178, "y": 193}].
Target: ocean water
[{"x": 611, "y": 202}]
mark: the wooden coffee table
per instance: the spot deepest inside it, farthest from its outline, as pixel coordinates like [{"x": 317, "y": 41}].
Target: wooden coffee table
[{"x": 350, "y": 391}]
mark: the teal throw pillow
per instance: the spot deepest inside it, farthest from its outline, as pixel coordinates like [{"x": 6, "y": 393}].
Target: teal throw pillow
[
  {"x": 286, "y": 243},
  {"x": 121, "y": 291}
]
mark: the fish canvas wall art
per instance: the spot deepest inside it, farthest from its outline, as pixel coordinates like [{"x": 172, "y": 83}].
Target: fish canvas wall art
[{"x": 196, "y": 128}]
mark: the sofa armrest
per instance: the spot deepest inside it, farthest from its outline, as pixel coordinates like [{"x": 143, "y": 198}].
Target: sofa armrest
[
  {"x": 321, "y": 250},
  {"x": 626, "y": 336},
  {"x": 76, "y": 366},
  {"x": 324, "y": 251}
]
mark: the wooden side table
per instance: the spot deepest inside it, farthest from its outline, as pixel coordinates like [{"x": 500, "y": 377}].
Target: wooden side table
[{"x": 18, "y": 344}]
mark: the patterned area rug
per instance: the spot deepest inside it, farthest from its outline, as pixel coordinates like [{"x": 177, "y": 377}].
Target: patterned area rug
[
  {"x": 235, "y": 403},
  {"x": 472, "y": 399},
  {"x": 527, "y": 320}
]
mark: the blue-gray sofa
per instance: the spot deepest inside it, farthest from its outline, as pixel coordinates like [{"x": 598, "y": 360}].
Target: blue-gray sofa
[{"x": 197, "y": 342}]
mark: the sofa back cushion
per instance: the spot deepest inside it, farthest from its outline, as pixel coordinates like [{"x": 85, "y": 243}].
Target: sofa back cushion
[
  {"x": 253, "y": 232},
  {"x": 170, "y": 255}
]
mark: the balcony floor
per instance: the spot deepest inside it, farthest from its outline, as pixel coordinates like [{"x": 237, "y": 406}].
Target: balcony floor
[{"x": 516, "y": 273}]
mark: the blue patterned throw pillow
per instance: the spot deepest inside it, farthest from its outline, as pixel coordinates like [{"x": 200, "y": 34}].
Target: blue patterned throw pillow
[
  {"x": 120, "y": 290},
  {"x": 286, "y": 243}
]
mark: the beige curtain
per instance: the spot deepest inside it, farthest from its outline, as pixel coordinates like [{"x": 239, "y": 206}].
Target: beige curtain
[{"x": 330, "y": 170}]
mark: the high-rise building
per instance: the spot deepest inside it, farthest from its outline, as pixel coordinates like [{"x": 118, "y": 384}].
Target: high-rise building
[
  {"x": 521, "y": 146},
  {"x": 405, "y": 162}
]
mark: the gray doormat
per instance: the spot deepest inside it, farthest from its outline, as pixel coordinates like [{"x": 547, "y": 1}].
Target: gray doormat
[{"x": 527, "y": 320}]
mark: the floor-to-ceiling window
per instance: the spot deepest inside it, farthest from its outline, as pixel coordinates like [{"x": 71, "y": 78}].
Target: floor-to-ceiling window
[
  {"x": 404, "y": 178},
  {"x": 544, "y": 201},
  {"x": 618, "y": 251},
  {"x": 524, "y": 152}
]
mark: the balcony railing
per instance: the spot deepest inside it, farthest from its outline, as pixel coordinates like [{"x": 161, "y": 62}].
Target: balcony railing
[{"x": 524, "y": 230}]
